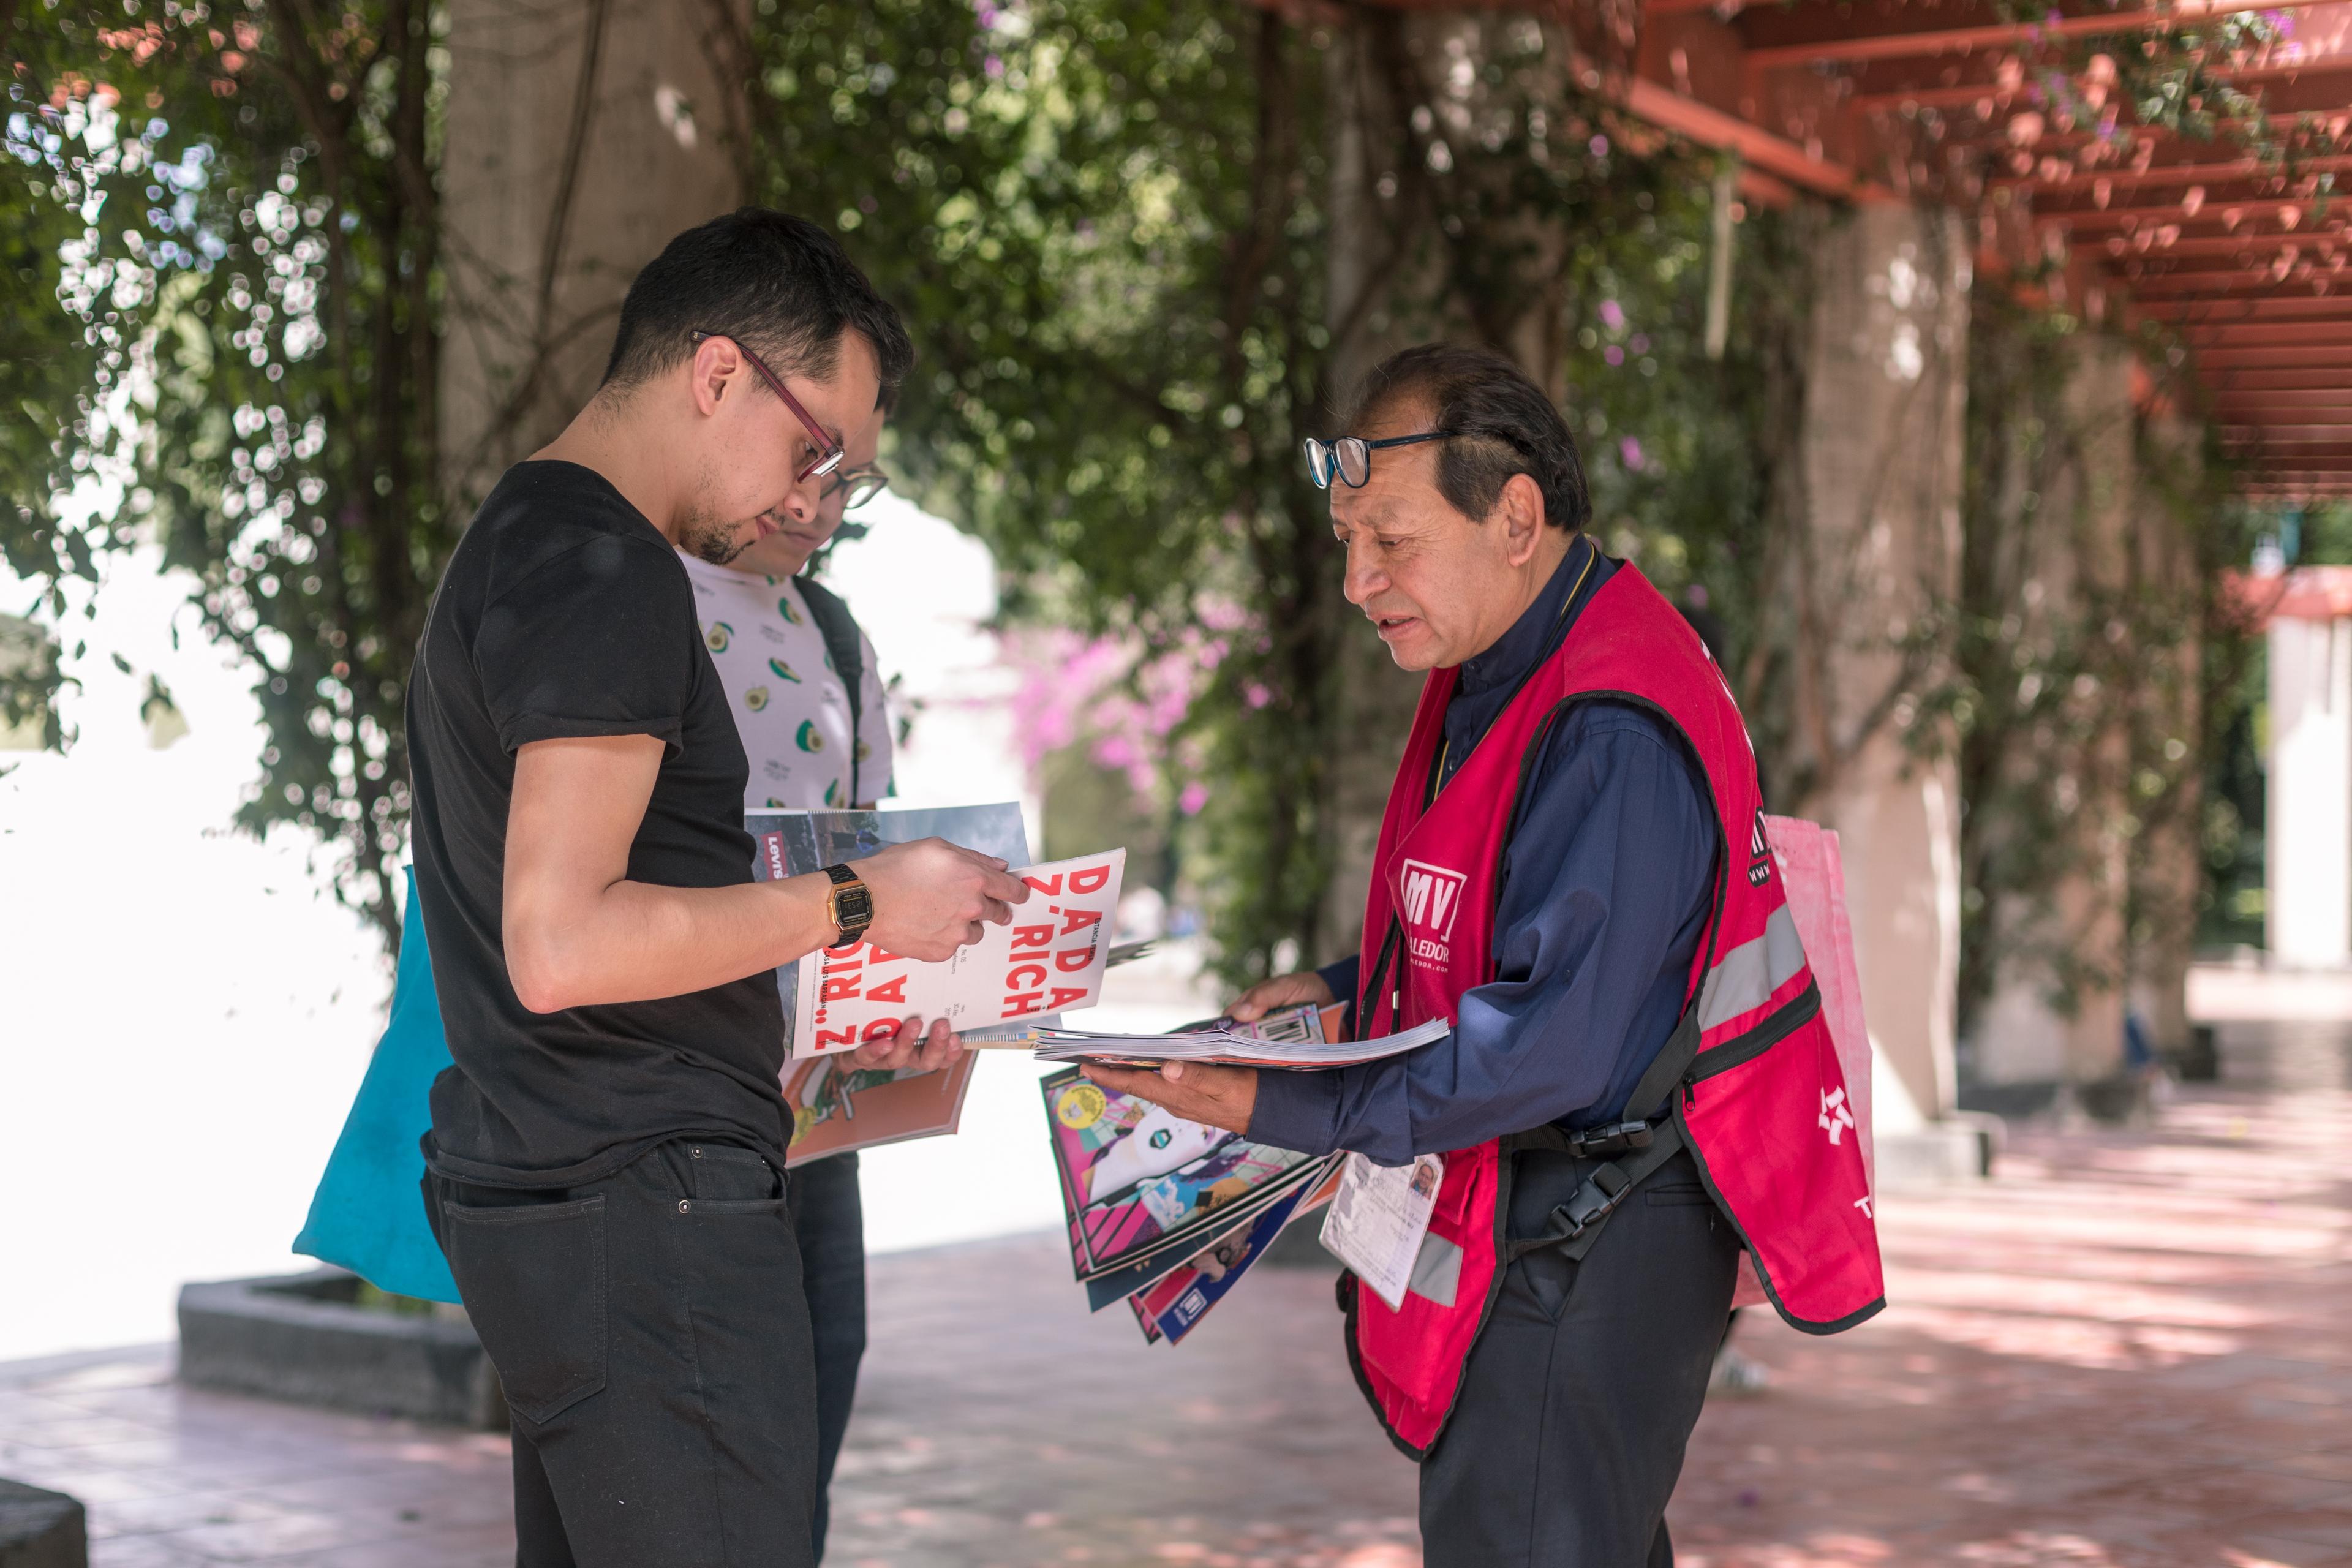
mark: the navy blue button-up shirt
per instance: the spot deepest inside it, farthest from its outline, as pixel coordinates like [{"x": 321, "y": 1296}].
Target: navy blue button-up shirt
[{"x": 1604, "y": 890}]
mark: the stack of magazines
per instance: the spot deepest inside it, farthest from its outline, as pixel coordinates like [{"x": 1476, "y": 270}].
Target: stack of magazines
[
  {"x": 1166, "y": 1214},
  {"x": 1235, "y": 1045}
]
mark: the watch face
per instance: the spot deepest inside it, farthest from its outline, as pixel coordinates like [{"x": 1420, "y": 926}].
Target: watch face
[{"x": 854, "y": 905}]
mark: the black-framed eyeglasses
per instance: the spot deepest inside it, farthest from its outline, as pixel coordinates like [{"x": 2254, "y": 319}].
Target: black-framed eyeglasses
[
  {"x": 829, "y": 452},
  {"x": 862, "y": 484},
  {"x": 1350, "y": 456}
]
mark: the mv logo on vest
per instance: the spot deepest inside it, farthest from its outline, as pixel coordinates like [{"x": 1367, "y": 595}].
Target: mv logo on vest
[{"x": 1431, "y": 897}]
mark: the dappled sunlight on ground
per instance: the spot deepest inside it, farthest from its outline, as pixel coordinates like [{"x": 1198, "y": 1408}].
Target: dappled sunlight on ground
[{"x": 2128, "y": 1351}]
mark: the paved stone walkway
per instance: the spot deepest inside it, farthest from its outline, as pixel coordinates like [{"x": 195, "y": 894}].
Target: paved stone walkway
[{"x": 2129, "y": 1350}]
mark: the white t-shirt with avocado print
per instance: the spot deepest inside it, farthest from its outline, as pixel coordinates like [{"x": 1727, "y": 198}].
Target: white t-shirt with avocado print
[{"x": 788, "y": 702}]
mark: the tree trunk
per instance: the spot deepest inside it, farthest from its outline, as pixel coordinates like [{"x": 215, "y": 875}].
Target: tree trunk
[
  {"x": 1429, "y": 241},
  {"x": 582, "y": 136}
]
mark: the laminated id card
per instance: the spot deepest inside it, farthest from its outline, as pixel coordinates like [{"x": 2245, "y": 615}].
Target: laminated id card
[{"x": 1377, "y": 1219}]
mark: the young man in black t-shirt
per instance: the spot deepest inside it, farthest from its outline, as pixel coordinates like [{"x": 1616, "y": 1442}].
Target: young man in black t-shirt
[{"x": 605, "y": 1165}]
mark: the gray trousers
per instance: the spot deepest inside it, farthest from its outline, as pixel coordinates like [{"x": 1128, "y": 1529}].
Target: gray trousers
[{"x": 1580, "y": 1393}]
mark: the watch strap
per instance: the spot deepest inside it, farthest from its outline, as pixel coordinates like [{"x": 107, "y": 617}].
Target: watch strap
[{"x": 848, "y": 929}]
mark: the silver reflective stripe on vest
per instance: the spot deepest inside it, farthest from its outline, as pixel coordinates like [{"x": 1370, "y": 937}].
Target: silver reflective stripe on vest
[
  {"x": 1437, "y": 1271},
  {"x": 1749, "y": 973}
]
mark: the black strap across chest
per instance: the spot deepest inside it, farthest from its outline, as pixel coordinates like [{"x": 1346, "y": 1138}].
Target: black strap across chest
[{"x": 842, "y": 645}]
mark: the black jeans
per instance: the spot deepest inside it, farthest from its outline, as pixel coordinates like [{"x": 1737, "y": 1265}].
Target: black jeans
[
  {"x": 829, "y": 1218},
  {"x": 653, "y": 1342},
  {"x": 1581, "y": 1392}
]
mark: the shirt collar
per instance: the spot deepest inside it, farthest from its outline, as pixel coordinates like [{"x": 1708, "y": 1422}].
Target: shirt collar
[{"x": 1532, "y": 635}]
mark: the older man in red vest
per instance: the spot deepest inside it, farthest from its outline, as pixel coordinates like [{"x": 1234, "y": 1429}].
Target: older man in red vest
[{"x": 1637, "y": 1082}]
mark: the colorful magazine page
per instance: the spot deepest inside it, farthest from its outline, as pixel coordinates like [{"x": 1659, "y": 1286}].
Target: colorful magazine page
[
  {"x": 1302, "y": 1185},
  {"x": 796, "y": 843},
  {"x": 1049, "y": 959},
  {"x": 1135, "y": 1178},
  {"x": 1176, "y": 1305},
  {"x": 837, "y": 1106}
]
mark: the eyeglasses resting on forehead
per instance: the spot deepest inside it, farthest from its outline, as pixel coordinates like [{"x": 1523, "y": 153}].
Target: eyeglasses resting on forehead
[
  {"x": 829, "y": 452},
  {"x": 862, "y": 484},
  {"x": 1349, "y": 458}
]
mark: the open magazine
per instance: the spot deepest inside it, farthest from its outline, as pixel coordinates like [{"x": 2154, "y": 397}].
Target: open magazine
[
  {"x": 836, "y": 1105},
  {"x": 975, "y": 990},
  {"x": 1165, "y": 1214},
  {"x": 1049, "y": 959}
]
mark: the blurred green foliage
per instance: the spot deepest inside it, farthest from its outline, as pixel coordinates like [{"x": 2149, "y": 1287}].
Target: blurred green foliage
[
  {"x": 234, "y": 206},
  {"x": 1102, "y": 221},
  {"x": 1111, "y": 224}
]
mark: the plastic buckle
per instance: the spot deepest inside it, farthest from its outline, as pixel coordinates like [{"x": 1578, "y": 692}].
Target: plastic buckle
[
  {"x": 1593, "y": 1200},
  {"x": 1620, "y": 1138}
]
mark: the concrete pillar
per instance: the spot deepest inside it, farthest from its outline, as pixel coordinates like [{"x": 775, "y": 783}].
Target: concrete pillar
[
  {"x": 2166, "y": 860},
  {"x": 1885, "y": 389},
  {"x": 2307, "y": 843},
  {"x": 2057, "y": 1009},
  {"x": 581, "y": 135}
]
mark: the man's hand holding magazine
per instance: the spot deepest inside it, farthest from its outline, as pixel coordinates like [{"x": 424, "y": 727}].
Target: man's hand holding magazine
[
  {"x": 1219, "y": 1096},
  {"x": 1223, "y": 1094}
]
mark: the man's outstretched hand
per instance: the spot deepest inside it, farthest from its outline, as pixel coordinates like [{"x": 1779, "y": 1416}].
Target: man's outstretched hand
[
  {"x": 930, "y": 897},
  {"x": 1198, "y": 1091},
  {"x": 1282, "y": 991},
  {"x": 1210, "y": 1092},
  {"x": 912, "y": 1049}
]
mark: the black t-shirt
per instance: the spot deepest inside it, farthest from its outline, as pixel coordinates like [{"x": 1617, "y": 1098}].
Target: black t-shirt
[{"x": 564, "y": 612}]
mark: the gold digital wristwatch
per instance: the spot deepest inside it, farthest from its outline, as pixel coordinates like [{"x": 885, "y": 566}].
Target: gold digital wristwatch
[{"x": 849, "y": 905}]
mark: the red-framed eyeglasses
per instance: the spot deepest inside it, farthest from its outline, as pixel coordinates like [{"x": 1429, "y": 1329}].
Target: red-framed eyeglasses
[{"x": 829, "y": 452}]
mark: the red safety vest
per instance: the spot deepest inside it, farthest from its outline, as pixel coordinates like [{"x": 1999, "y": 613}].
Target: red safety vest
[{"x": 1754, "y": 1090}]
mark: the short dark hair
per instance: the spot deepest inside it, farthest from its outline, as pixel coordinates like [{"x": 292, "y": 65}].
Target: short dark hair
[
  {"x": 1506, "y": 423},
  {"x": 779, "y": 285}
]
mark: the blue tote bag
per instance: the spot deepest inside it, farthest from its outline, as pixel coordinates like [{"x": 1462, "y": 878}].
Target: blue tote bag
[{"x": 368, "y": 1215}]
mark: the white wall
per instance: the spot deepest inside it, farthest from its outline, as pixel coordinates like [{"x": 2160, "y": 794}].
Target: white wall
[
  {"x": 183, "y": 1017},
  {"x": 2308, "y": 835}
]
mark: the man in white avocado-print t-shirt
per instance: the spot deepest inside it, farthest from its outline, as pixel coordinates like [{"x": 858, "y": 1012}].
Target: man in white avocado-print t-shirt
[
  {"x": 790, "y": 704},
  {"x": 793, "y": 711}
]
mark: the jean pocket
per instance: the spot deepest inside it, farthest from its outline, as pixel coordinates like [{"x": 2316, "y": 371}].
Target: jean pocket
[
  {"x": 720, "y": 1179},
  {"x": 533, "y": 1279}
]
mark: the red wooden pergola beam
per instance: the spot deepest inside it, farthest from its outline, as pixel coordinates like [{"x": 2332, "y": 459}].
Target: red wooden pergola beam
[
  {"x": 2193, "y": 171},
  {"x": 1812, "y": 35},
  {"x": 1711, "y": 127},
  {"x": 2216, "y": 286},
  {"x": 2265, "y": 334},
  {"x": 2304, "y": 380},
  {"x": 2211, "y": 255},
  {"x": 2272, "y": 417},
  {"x": 2249, "y": 251},
  {"x": 2325, "y": 356},
  {"x": 2251, "y": 209},
  {"x": 2324, "y": 88},
  {"x": 2210, "y": 312}
]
